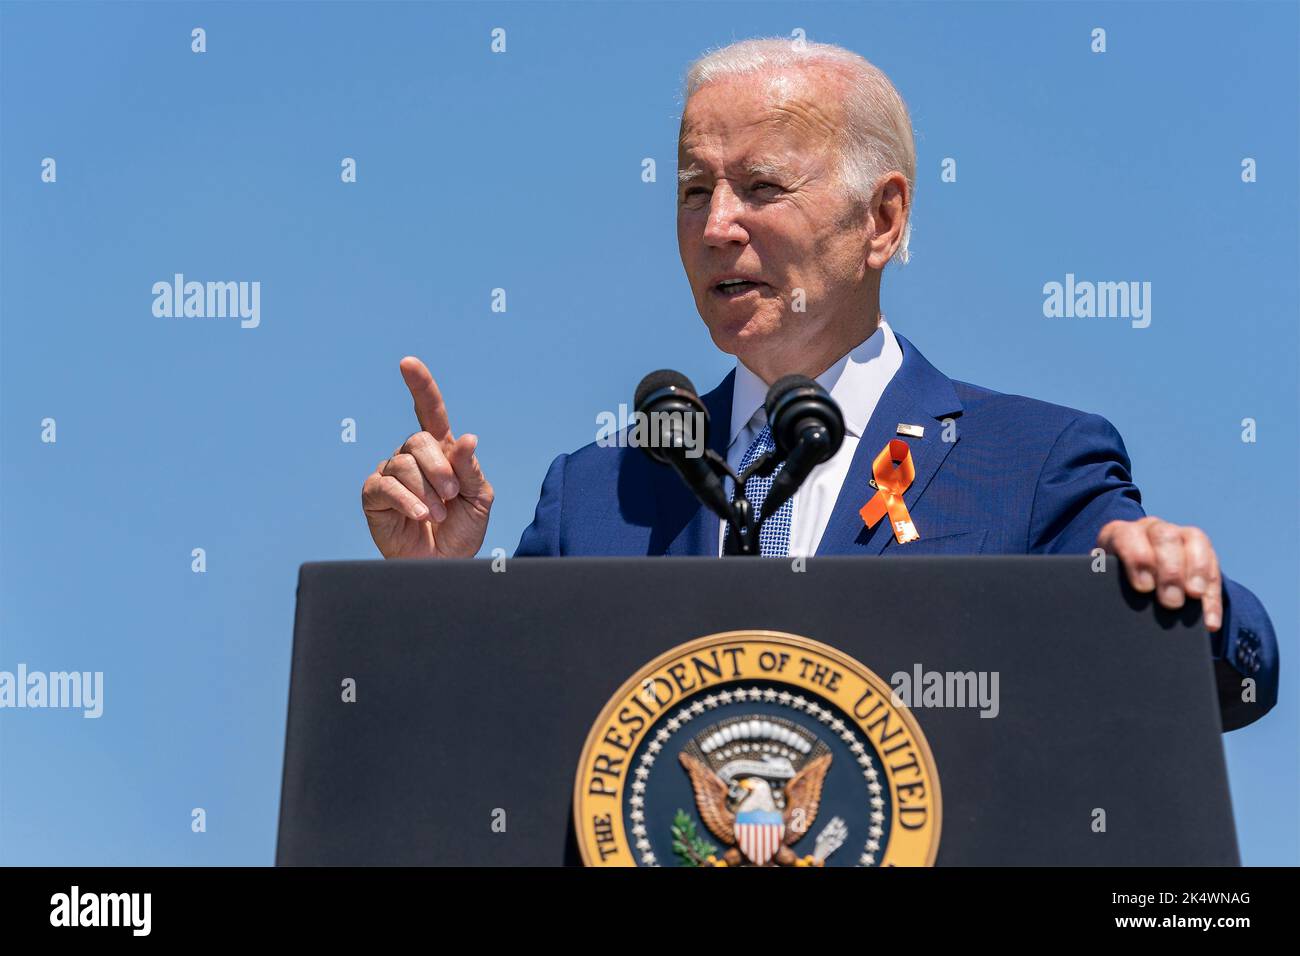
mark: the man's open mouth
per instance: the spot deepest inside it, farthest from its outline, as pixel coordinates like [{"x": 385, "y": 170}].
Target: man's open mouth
[{"x": 734, "y": 288}]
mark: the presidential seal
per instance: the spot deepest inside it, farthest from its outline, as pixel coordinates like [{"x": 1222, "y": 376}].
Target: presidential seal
[{"x": 756, "y": 748}]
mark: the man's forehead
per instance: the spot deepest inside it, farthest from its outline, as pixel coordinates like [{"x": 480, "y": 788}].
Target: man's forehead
[
  {"x": 768, "y": 120},
  {"x": 778, "y": 150}
]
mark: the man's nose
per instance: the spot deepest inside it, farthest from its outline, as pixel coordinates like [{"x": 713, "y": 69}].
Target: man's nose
[{"x": 723, "y": 225}]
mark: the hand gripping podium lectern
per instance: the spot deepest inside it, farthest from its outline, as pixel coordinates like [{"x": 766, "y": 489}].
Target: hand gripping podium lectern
[{"x": 839, "y": 711}]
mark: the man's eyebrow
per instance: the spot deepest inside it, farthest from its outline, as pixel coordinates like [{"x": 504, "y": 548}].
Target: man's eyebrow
[
  {"x": 761, "y": 167},
  {"x": 757, "y": 167}
]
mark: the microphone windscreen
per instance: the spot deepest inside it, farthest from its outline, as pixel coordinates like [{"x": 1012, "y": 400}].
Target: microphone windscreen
[
  {"x": 786, "y": 384},
  {"x": 664, "y": 378}
]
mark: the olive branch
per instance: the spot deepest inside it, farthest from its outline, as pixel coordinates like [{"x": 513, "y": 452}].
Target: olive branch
[{"x": 691, "y": 848}]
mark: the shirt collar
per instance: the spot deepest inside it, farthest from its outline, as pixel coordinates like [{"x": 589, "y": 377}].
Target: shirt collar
[{"x": 856, "y": 382}]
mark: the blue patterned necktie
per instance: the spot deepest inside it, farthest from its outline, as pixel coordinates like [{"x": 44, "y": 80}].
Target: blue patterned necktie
[{"x": 774, "y": 538}]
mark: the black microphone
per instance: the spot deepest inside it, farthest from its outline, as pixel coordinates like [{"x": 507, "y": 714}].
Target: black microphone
[
  {"x": 667, "y": 400},
  {"x": 807, "y": 428}
]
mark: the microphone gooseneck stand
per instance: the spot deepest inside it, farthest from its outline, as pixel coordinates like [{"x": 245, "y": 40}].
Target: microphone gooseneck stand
[
  {"x": 744, "y": 523},
  {"x": 815, "y": 446},
  {"x": 807, "y": 429}
]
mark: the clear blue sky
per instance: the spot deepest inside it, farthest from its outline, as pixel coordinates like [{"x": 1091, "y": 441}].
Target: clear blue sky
[{"x": 523, "y": 171}]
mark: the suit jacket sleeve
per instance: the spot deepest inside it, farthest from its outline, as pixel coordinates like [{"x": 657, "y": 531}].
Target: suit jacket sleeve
[
  {"x": 542, "y": 537},
  {"x": 1084, "y": 483}
]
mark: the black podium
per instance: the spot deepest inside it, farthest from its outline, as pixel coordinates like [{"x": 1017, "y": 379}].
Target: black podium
[{"x": 438, "y": 712}]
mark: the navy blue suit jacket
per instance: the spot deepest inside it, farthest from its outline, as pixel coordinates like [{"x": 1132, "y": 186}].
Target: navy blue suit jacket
[{"x": 1018, "y": 476}]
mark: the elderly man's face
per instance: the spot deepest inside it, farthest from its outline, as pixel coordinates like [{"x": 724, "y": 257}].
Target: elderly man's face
[{"x": 763, "y": 202}]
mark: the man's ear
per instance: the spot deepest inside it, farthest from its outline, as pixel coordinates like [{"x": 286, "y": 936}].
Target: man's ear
[{"x": 891, "y": 205}]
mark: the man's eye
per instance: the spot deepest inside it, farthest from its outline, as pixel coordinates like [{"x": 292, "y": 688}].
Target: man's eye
[
  {"x": 695, "y": 192},
  {"x": 766, "y": 185}
]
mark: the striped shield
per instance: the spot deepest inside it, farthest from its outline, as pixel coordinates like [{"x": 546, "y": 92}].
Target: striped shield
[{"x": 759, "y": 834}]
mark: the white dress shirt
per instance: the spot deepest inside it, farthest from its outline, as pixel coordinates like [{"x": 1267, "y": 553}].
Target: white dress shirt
[{"x": 856, "y": 382}]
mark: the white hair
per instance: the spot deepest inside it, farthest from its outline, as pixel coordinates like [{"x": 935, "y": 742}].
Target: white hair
[{"x": 877, "y": 138}]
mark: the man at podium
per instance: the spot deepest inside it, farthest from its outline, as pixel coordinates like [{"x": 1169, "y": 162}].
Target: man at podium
[{"x": 796, "y": 168}]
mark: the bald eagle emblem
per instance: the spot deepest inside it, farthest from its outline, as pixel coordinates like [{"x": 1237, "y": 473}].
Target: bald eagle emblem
[{"x": 758, "y": 782}]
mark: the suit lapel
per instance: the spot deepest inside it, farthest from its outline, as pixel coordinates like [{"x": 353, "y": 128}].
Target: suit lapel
[
  {"x": 918, "y": 394},
  {"x": 678, "y": 507}
]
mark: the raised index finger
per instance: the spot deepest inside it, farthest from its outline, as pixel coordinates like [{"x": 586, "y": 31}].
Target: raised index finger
[{"x": 429, "y": 407}]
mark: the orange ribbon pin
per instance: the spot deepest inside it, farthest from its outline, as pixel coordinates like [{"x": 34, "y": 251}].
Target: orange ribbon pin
[{"x": 894, "y": 472}]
